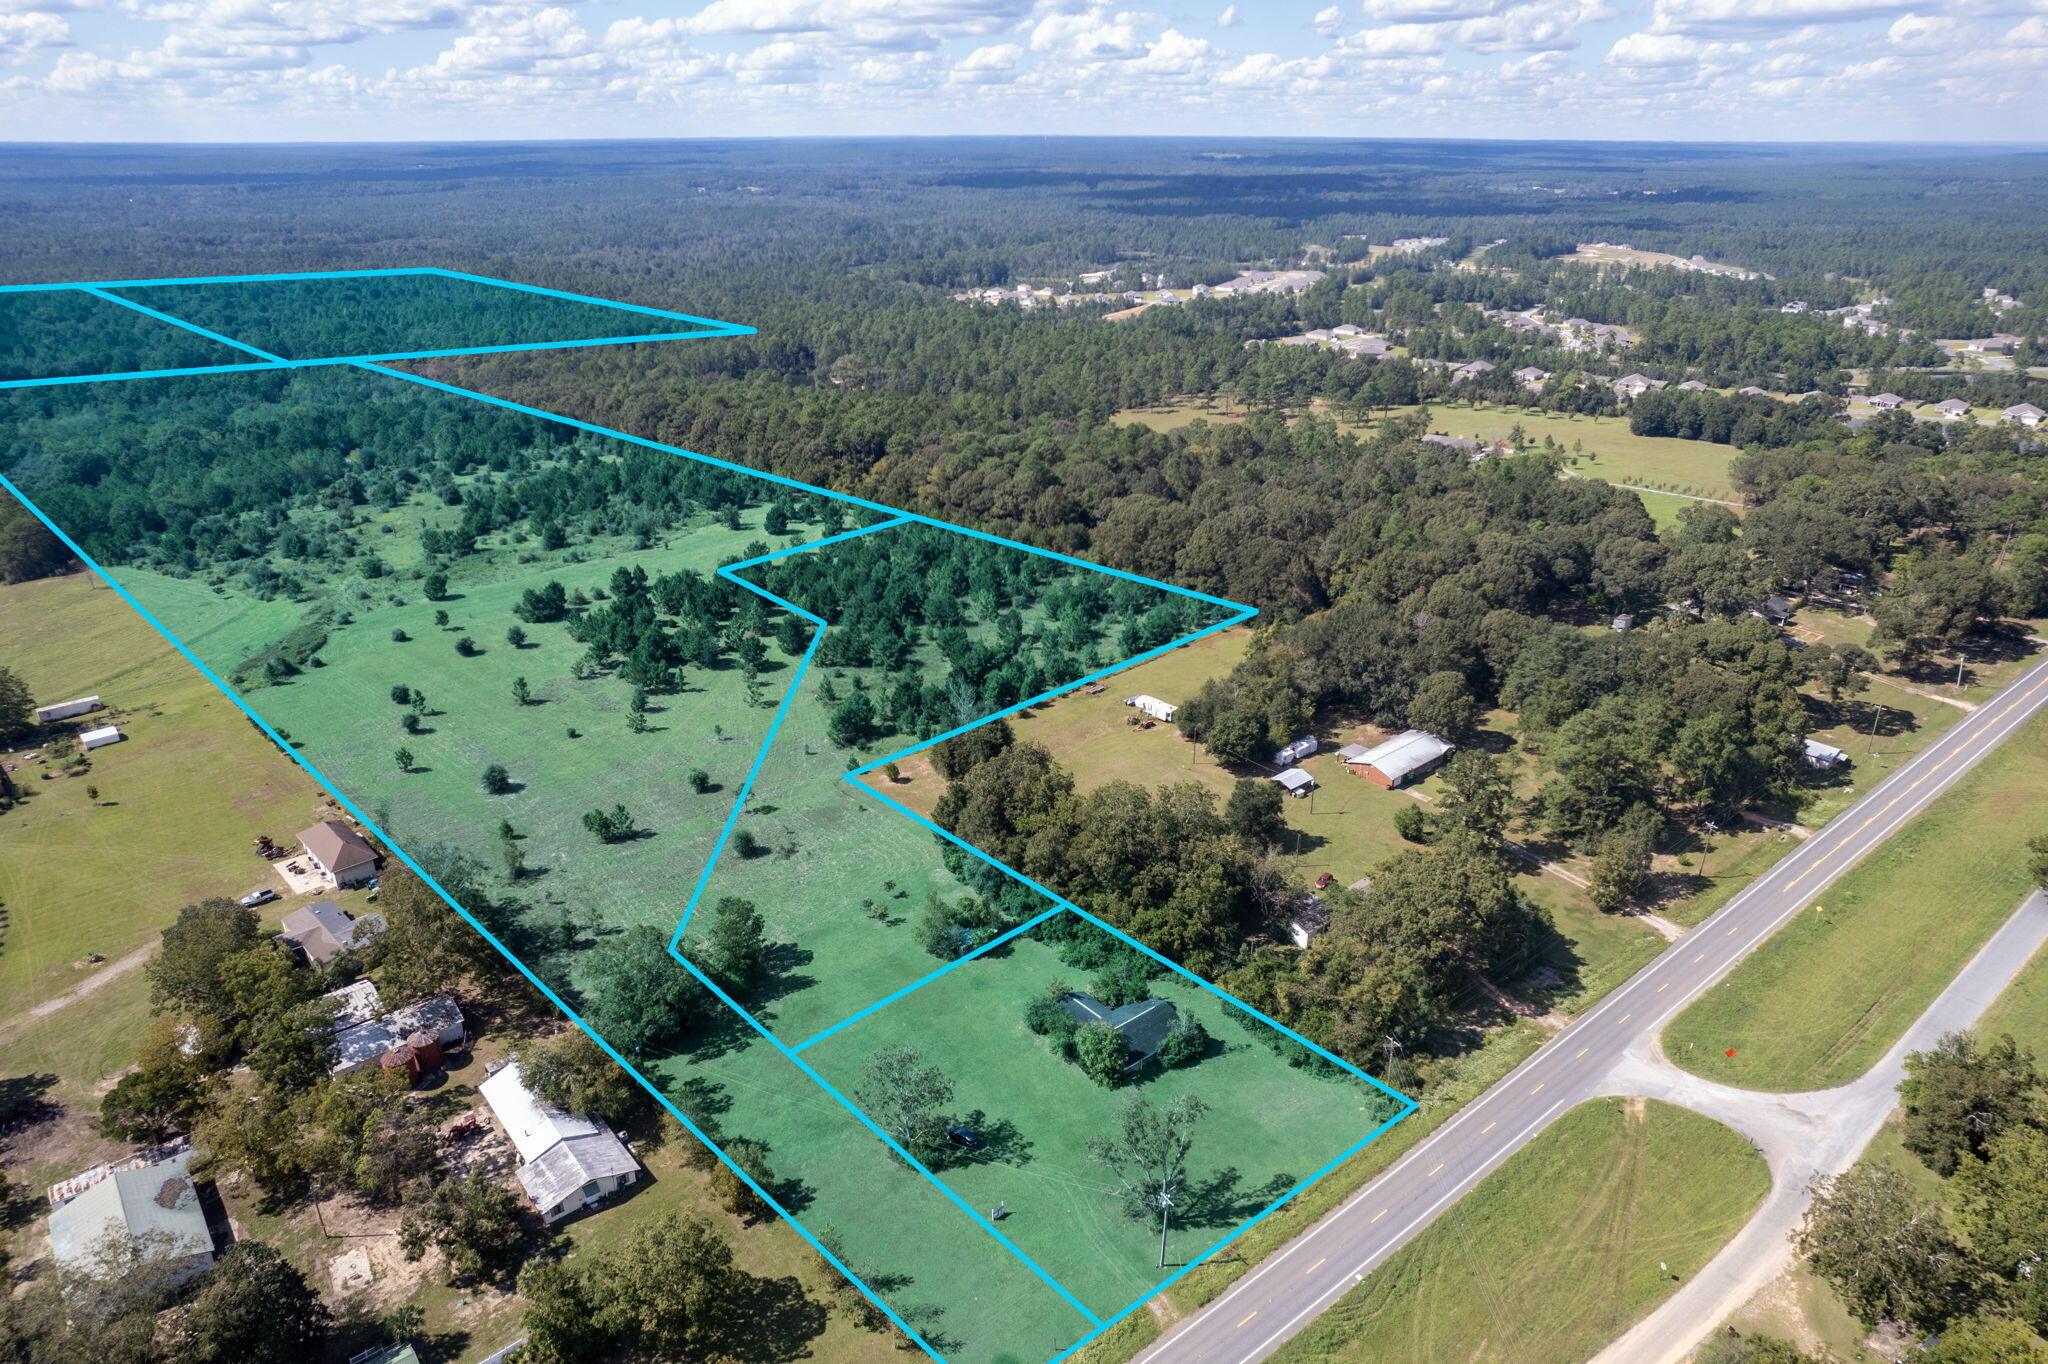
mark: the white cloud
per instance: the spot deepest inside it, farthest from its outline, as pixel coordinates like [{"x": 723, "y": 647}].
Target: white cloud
[
  {"x": 1725, "y": 18},
  {"x": 992, "y": 65},
  {"x": 1229, "y": 17},
  {"x": 1092, "y": 35},
  {"x": 1435, "y": 11},
  {"x": 1397, "y": 40},
  {"x": 21, "y": 34},
  {"x": 1328, "y": 22}
]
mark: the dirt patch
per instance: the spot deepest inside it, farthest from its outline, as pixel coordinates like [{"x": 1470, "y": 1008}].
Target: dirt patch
[{"x": 1163, "y": 1310}]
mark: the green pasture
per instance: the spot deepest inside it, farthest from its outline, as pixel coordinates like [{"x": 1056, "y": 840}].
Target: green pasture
[
  {"x": 180, "y": 800},
  {"x": 1270, "y": 1126},
  {"x": 1823, "y": 998},
  {"x": 1557, "y": 1252}
]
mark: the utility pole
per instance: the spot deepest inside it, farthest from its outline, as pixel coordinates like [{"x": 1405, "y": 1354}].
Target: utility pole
[
  {"x": 1707, "y": 846},
  {"x": 1165, "y": 1208}
]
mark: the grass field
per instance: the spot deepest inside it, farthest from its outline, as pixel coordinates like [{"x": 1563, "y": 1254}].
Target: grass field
[
  {"x": 1559, "y": 1250},
  {"x": 1598, "y": 447},
  {"x": 179, "y": 800},
  {"x": 1270, "y": 1127},
  {"x": 1820, "y": 1001}
]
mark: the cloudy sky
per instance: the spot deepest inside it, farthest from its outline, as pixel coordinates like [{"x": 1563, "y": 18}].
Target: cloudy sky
[{"x": 246, "y": 70}]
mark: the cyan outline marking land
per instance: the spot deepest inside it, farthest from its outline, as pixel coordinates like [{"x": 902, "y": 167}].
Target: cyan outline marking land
[{"x": 752, "y": 1055}]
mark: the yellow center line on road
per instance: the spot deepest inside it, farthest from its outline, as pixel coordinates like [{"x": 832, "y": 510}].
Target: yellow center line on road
[
  {"x": 1626, "y": 1017},
  {"x": 1700, "y": 958},
  {"x": 1489, "y": 1127},
  {"x": 1316, "y": 1266},
  {"x": 1378, "y": 1215},
  {"x": 1537, "y": 1090},
  {"x": 1432, "y": 1173},
  {"x": 1662, "y": 988},
  {"x": 1731, "y": 930},
  {"x": 1253, "y": 1313},
  {"x": 1580, "y": 1052}
]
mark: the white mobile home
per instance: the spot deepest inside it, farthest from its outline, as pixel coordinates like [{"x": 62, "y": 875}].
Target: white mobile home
[
  {"x": 1295, "y": 752},
  {"x": 1153, "y": 706}
]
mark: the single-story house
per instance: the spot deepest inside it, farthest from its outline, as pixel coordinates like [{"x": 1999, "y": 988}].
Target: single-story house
[
  {"x": 1296, "y": 751},
  {"x": 1777, "y": 609},
  {"x": 1295, "y": 782},
  {"x": 1410, "y": 754},
  {"x": 1824, "y": 756},
  {"x": 1692, "y": 386},
  {"x": 1887, "y": 402},
  {"x": 157, "y": 1201},
  {"x": 64, "y": 710},
  {"x": 340, "y": 851},
  {"x": 1752, "y": 391},
  {"x": 2026, "y": 414},
  {"x": 322, "y": 932},
  {"x": 1634, "y": 385},
  {"x": 1529, "y": 376},
  {"x": 99, "y": 738},
  {"x": 1311, "y": 916},
  {"x": 1952, "y": 409},
  {"x": 1153, "y": 706},
  {"x": 1144, "y": 1025},
  {"x": 1471, "y": 371},
  {"x": 2000, "y": 341},
  {"x": 1348, "y": 329},
  {"x": 571, "y": 1163},
  {"x": 1464, "y": 443}
]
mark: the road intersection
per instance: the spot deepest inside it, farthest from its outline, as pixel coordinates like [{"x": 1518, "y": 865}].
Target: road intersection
[{"x": 1259, "y": 1313}]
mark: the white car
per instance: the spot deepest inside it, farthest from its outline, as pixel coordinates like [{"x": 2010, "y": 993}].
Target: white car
[{"x": 261, "y": 896}]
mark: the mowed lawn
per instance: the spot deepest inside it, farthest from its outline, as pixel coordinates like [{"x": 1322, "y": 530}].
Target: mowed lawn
[
  {"x": 1820, "y": 1001},
  {"x": 1270, "y": 1126},
  {"x": 179, "y": 800},
  {"x": 1559, "y": 1250}
]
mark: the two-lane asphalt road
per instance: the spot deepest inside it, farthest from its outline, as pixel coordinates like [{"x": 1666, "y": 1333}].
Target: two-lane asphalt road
[{"x": 1262, "y": 1310}]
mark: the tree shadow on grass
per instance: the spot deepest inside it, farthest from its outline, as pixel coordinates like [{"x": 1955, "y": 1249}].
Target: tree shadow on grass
[
  {"x": 1223, "y": 1199},
  {"x": 774, "y": 1321}
]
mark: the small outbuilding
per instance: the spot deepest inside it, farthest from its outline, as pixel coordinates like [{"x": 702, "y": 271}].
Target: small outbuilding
[
  {"x": 1826, "y": 757},
  {"x": 99, "y": 738},
  {"x": 1295, "y": 782},
  {"x": 1310, "y": 917},
  {"x": 571, "y": 1163},
  {"x": 1153, "y": 706},
  {"x": 339, "y": 851},
  {"x": 1411, "y": 754}
]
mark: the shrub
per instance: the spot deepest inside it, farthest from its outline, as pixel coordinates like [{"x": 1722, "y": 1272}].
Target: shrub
[
  {"x": 1185, "y": 1044},
  {"x": 401, "y": 693},
  {"x": 497, "y": 781},
  {"x": 1412, "y": 823},
  {"x": 1100, "y": 1051},
  {"x": 1043, "y": 1015},
  {"x": 466, "y": 646}
]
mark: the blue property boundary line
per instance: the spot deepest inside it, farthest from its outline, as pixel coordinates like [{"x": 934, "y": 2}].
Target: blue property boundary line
[
  {"x": 896, "y": 518},
  {"x": 707, "y": 327},
  {"x": 427, "y": 878}
]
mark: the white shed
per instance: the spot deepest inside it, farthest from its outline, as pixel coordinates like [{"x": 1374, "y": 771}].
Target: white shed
[
  {"x": 1824, "y": 756},
  {"x": 1295, "y": 782},
  {"x": 99, "y": 738}
]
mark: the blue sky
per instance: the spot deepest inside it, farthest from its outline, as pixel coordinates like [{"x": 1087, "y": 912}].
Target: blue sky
[{"x": 296, "y": 70}]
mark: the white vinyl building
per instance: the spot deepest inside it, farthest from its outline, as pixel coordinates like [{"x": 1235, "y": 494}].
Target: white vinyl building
[
  {"x": 99, "y": 738},
  {"x": 571, "y": 1162},
  {"x": 64, "y": 710},
  {"x": 1153, "y": 706}
]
